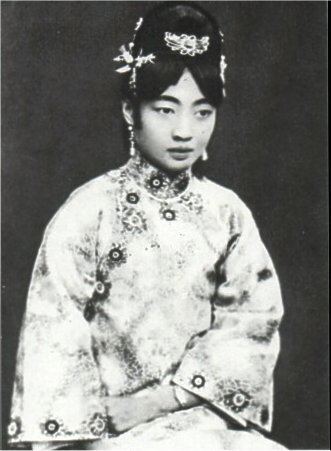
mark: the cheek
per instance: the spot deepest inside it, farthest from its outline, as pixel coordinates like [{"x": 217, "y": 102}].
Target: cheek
[
  {"x": 206, "y": 132},
  {"x": 151, "y": 134}
]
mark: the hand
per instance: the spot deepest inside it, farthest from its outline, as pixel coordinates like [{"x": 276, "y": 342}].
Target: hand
[{"x": 125, "y": 412}]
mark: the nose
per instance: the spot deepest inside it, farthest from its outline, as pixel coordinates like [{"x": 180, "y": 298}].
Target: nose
[{"x": 182, "y": 130}]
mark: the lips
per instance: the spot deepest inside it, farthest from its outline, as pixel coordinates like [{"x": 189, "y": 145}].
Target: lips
[
  {"x": 180, "y": 153},
  {"x": 180, "y": 150}
]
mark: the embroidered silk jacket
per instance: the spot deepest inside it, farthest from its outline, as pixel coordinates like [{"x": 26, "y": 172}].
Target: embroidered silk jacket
[{"x": 142, "y": 280}]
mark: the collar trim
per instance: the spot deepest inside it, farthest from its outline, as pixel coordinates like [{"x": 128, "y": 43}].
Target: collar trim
[{"x": 154, "y": 180}]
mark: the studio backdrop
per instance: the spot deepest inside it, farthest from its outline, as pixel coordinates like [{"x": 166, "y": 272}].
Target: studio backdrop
[{"x": 62, "y": 126}]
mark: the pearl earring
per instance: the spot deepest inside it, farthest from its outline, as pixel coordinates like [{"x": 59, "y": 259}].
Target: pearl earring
[
  {"x": 204, "y": 156},
  {"x": 132, "y": 141}
]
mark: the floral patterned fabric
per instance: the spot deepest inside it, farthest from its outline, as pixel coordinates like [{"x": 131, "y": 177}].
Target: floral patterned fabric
[{"x": 143, "y": 280}]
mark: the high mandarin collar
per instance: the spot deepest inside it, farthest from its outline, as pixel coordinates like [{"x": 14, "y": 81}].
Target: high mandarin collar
[{"x": 154, "y": 180}]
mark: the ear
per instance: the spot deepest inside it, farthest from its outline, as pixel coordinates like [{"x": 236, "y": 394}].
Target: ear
[{"x": 127, "y": 111}]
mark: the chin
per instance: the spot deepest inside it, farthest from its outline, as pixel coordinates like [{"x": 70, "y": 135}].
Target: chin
[{"x": 177, "y": 166}]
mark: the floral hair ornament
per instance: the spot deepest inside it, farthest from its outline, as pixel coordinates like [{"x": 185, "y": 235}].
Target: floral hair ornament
[
  {"x": 132, "y": 63},
  {"x": 186, "y": 44}
]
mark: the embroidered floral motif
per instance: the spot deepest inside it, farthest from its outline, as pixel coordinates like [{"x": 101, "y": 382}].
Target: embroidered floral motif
[
  {"x": 132, "y": 198},
  {"x": 154, "y": 180},
  {"x": 237, "y": 401},
  {"x": 169, "y": 215},
  {"x": 51, "y": 426},
  {"x": 84, "y": 248},
  {"x": 98, "y": 424},
  {"x": 264, "y": 274},
  {"x": 116, "y": 256},
  {"x": 101, "y": 289},
  {"x": 133, "y": 220},
  {"x": 192, "y": 201},
  {"x": 198, "y": 381},
  {"x": 262, "y": 331},
  {"x": 181, "y": 183},
  {"x": 14, "y": 427}
]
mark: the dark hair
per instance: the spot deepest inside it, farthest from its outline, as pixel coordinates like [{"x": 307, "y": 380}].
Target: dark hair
[{"x": 154, "y": 78}]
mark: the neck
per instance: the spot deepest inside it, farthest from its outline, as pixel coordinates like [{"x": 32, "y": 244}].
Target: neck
[
  {"x": 157, "y": 181},
  {"x": 172, "y": 175}
]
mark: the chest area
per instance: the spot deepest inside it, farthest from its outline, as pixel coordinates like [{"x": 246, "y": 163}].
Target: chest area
[{"x": 140, "y": 232}]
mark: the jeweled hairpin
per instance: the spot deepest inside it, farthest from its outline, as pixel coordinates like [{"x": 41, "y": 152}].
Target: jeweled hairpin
[
  {"x": 127, "y": 57},
  {"x": 223, "y": 66},
  {"x": 186, "y": 44},
  {"x": 132, "y": 63}
]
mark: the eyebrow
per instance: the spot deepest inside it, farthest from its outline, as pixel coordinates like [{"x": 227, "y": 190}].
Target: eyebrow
[{"x": 172, "y": 99}]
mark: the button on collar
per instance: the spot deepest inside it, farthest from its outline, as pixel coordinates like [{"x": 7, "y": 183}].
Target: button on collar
[{"x": 156, "y": 182}]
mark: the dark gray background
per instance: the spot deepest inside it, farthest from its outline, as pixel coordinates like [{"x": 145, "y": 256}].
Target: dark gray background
[{"x": 61, "y": 126}]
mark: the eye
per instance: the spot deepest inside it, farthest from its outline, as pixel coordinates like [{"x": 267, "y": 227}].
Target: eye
[
  {"x": 204, "y": 113},
  {"x": 164, "y": 110}
]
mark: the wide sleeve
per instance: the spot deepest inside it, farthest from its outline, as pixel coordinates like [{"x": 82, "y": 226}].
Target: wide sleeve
[
  {"x": 57, "y": 392},
  {"x": 231, "y": 365}
]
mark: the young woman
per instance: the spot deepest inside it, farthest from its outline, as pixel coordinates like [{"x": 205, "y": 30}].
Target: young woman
[{"x": 153, "y": 310}]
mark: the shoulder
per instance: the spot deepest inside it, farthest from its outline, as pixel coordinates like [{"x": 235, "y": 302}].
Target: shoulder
[
  {"x": 227, "y": 206},
  {"x": 86, "y": 203},
  {"x": 96, "y": 190},
  {"x": 222, "y": 196},
  {"x": 94, "y": 193}
]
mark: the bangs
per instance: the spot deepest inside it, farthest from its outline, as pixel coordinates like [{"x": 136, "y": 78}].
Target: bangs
[{"x": 154, "y": 78}]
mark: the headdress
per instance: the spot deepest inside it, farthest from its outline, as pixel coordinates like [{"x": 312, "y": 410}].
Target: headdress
[{"x": 185, "y": 44}]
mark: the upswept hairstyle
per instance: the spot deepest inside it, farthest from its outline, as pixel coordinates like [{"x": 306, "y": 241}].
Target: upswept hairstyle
[{"x": 154, "y": 78}]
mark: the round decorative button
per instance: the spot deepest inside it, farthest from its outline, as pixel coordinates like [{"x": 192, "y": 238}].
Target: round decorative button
[
  {"x": 14, "y": 427},
  {"x": 169, "y": 215},
  {"x": 198, "y": 381},
  {"x": 156, "y": 182},
  {"x": 116, "y": 254},
  {"x": 132, "y": 198},
  {"x": 100, "y": 288},
  {"x": 52, "y": 426},
  {"x": 98, "y": 424},
  {"x": 239, "y": 399}
]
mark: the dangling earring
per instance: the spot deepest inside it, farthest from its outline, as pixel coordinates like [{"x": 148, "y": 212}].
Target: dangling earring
[
  {"x": 132, "y": 141},
  {"x": 204, "y": 156}
]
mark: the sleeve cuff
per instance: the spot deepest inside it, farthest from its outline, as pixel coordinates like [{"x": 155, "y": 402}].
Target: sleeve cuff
[{"x": 230, "y": 397}]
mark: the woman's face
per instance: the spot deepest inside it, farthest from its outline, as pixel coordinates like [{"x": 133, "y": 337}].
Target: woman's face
[{"x": 176, "y": 127}]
